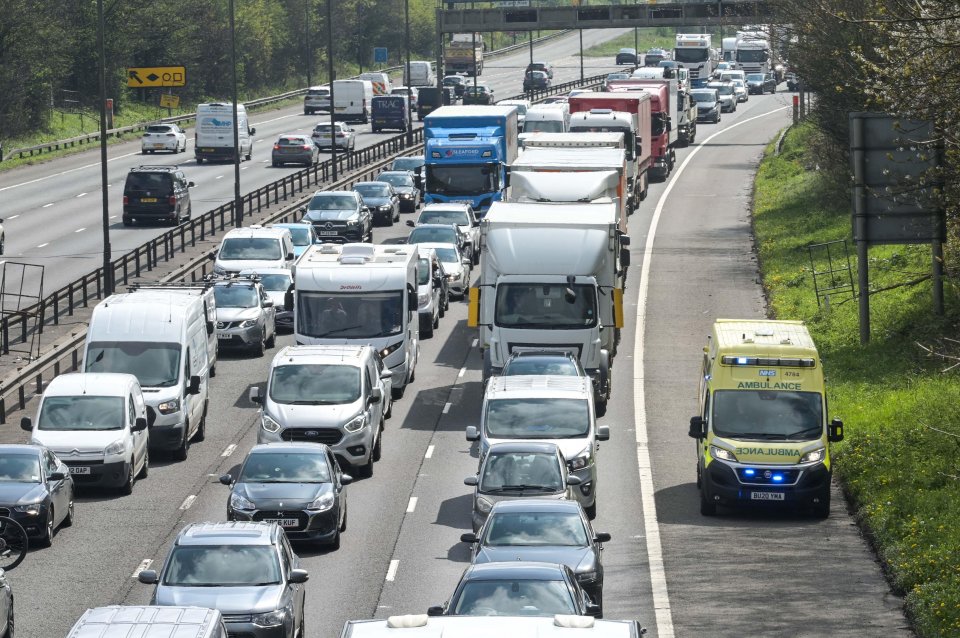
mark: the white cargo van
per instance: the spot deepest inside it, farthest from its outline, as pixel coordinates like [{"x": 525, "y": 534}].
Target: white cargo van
[
  {"x": 352, "y": 100},
  {"x": 421, "y": 74},
  {"x": 214, "y": 132},
  {"x": 161, "y": 339},
  {"x": 97, "y": 424},
  {"x": 558, "y": 626},
  {"x": 379, "y": 80},
  {"x": 149, "y": 622}
]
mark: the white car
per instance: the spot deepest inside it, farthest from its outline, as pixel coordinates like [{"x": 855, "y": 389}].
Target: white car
[
  {"x": 346, "y": 136},
  {"x": 740, "y": 90},
  {"x": 455, "y": 265},
  {"x": 163, "y": 137}
]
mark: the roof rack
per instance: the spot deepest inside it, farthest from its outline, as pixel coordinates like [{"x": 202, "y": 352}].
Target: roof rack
[
  {"x": 148, "y": 167},
  {"x": 161, "y": 285},
  {"x": 232, "y": 278}
]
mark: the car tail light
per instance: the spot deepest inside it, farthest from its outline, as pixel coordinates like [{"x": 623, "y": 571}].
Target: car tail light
[
  {"x": 172, "y": 200},
  {"x": 306, "y": 147},
  {"x": 126, "y": 200},
  {"x": 276, "y": 147},
  {"x": 170, "y": 135},
  {"x": 341, "y": 135}
]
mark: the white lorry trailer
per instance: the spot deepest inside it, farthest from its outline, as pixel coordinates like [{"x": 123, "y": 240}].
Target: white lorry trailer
[{"x": 548, "y": 279}]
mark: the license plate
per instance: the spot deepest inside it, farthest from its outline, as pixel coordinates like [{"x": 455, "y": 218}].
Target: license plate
[
  {"x": 148, "y": 200},
  {"x": 207, "y": 150},
  {"x": 766, "y": 496},
  {"x": 328, "y": 232},
  {"x": 283, "y": 522},
  {"x": 226, "y": 337},
  {"x": 80, "y": 470},
  {"x": 341, "y": 108}
]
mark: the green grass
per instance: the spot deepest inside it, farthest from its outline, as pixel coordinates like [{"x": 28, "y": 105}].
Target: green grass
[
  {"x": 647, "y": 38},
  {"x": 901, "y": 473}
]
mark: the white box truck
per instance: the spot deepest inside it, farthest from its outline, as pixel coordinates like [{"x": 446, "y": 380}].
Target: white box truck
[
  {"x": 549, "y": 279},
  {"x": 213, "y": 136},
  {"x": 361, "y": 294}
]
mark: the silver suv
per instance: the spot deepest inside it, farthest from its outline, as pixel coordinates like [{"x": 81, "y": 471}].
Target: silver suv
[
  {"x": 245, "y": 570},
  {"x": 331, "y": 394},
  {"x": 246, "y": 316}
]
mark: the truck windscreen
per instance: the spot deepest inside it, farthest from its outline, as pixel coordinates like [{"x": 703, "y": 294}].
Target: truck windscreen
[
  {"x": 689, "y": 56},
  {"x": 752, "y": 55},
  {"x": 774, "y": 415},
  {"x": 545, "y": 306},
  {"x": 363, "y": 315},
  {"x": 463, "y": 179}
]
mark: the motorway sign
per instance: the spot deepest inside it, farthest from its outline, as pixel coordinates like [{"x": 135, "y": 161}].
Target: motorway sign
[
  {"x": 147, "y": 77},
  {"x": 379, "y": 54},
  {"x": 169, "y": 101}
]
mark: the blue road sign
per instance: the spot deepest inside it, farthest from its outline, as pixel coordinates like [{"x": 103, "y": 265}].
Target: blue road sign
[{"x": 379, "y": 54}]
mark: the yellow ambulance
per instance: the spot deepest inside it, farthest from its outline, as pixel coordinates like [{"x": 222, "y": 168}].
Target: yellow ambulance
[{"x": 762, "y": 433}]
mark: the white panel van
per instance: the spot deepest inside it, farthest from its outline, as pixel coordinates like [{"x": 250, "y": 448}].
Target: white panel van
[
  {"x": 352, "y": 100},
  {"x": 214, "y": 132}
]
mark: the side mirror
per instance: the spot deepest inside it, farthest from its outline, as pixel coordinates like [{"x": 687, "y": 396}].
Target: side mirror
[
  {"x": 376, "y": 395},
  {"x": 139, "y": 424},
  {"x": 697, "y": 427},
  {"x": 268, "y": 303},
  {"x": 603, "y": 432},
  {"x": 435, "y": 610},
  {"x": 346, "y": 479},
  {"x": 624, "y": 257},
  {"x": 386, "y": 374},
  {"x": 212, "y": 256},
  {"x": 255, "y": 395},
  {"x": 148, "y": 577},
  {"x": 189, "y": 184},
  {"x": 211, "y": 328},
  {"x": 469, "y": 538},
  {"x": 303, "y": 209},
  {"x": 26, "y": 424},
  {"x": 56, "y": 476},
  {"x": 288, "y": 300},
  {"x": 194, "y": 387},
  {"x": 473, "y": 434},
  {"x": 835, "y": 431},
  {"x": 602, "y": 537},
  {"x": 253, "y": 131},
  {"x": 573, "y": 480},
  {"x": 298, "y": 576},
  {"x": 624, "y": 240},
  {"x": 410, "y": 223},
  {"x": 226, "y": 479},
  {"x": 471, "y": 481},
  {"x": 289, "y": 256}
]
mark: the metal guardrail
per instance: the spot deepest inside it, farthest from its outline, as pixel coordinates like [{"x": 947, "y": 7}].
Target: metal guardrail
[{"x": 65, "y": 354}]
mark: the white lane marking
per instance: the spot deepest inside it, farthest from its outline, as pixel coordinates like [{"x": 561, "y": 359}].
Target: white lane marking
[
  {"x": 243, "y": 168},
  {"x": 15, "y": 216},
  {"x": 112, "y": 216},
  {"x": 43, "y": 244},
  {"x": 228, "y": 450},
  {"x": 80, "y": 230},
  {"x": 187, "y": 502},
  {"x": 44, "y": 206},
  {"x": 144, "y": 564},
  {"x": 429, "y": 453},
  {"x": 446, "y": 407},
  {"x": 277, "y": 119},
  {"x": 81, "y": 195},
  {"x": 462, "y": 372},
  {"x": 72, "y": 170},
  {"x": 392, "y": 570},
  {"x": 412, "y": 505},
  {"x": 658, "y": 576},
  {"x": 475, "y": 342},
  {"x": 3, "y": 262},
  {"x": 219, "y": 176}
]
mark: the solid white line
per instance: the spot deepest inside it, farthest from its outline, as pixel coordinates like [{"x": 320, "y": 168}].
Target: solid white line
[
  {"x": 429, "y": 453},
  {"x": 79, "y": 230},
  {"x": 392, "y": 570},
  {"x": 219, "y": 176},
  {"x": 144, "y": 564},
  {"x": 81, "y": 195},
  {"x": 475, "y": 342},
  {"x": 462, "y": 372},
  {"x": 243, "y": 168},
  {"x": 412, "y": 505},
  {"x": 658, "y": 577},
  {"x": 187, "y": 502},
  {"x": 229, "y": 450},
  {"x": 44, "y": 244},
  {"x": 45, "y": 206},
  {"x": 446, "y": 407}
]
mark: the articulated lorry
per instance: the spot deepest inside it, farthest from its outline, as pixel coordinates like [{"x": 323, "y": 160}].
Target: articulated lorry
[
  {"x": 548, "y": 280},
  {"x": 694, "y": 51},
  {"x": 464, "y": 54},
  {"x": 753, "y": 52},
  {"x": 466, "y": 152}
]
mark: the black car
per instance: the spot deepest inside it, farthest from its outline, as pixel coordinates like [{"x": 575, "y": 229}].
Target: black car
[
  {"x": 517, "y": 588},
  {"x": 412, "y": 163},
  {"x": 36, "y": 490},
  {"x": 536, "y": 81},
  {"x": 793, "y": 81},
  {"x": 339, "y": 216},
  {"x": 627, "y": 55},
  {"x": 404, "y": 182},
  {"x": 760, "y": 83},
  {"x": 653, "y": 57},
  {"x": 299, "y": 486},
  {"x": 457, "y": 82},
  {"x": 382, "y": 200},
  {"x": 479, "y": 94},
  {"x": 543, "y": 530},
  {"x": 158, "y": 193}
]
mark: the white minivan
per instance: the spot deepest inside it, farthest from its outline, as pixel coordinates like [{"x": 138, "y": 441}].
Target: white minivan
[
  {"x": 352, "y": 100},
  {"x": 214, "y": 132},
  {"x": 252, "y": 248},
  {"x": 96, "y": 424},
  {"x": 161, "y": 339}
]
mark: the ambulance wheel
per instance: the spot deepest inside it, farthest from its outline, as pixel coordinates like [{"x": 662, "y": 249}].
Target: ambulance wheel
[
  {"x": 707, "y": 508},
  {"x": 821, "y": 510}
]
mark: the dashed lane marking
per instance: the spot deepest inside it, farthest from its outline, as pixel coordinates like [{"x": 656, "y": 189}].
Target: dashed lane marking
[
  {"x": 446, "y": 407},
  {"x": 429, "y": 453},
  {"x": 412, "y": 505},
  {"x": 80, "y": 230},
  {"x": 43, "y": 244},
  {"x": 228, "y": 450},
  {"x": 187, "y": 502},
  {"x": 462, "y": 372},
  {"x": 81, "y": 195},
  {"x": 144, "y": 564},
  {"x": 392, "y": 570},
  {"x": 45, "y": 206}
]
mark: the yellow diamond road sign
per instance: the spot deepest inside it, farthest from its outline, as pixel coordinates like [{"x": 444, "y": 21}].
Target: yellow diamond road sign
[
  {"x": 170, "y": 101},
  {"x": 147, "y": 77}
]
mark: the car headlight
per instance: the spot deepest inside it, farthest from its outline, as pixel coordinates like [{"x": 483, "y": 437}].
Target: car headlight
[
  {"x": 268, "y": 424},
  {"x": 322, "y": 502},
  {"x": 580, "y": 461},
  {"x": 814, "y": 456},
  {"x": 30, "y": 509},
  {"x": 115, "y": 448},
  {"x": 353, "y": 221},
  {"x": 453, "y": 277},
  {"x": 386, "y": 206},
  {"x": 270, "y": 619},
  {"x": 390, "y": 350},
  {"x": 587, "y": 577},
  {"x": 423, "y": 298},
  {"x": 406, "y": 195},
  {"x": 239, "y": 502},
  {"x": 722, "y": 454},
  {"x": 356, "y": 423},
  {"x": 219, "y": 270},
  {"x": 249, "y": 323},
  {"x": 169, "y": 407},
  {"x": 483, "y": 505}
]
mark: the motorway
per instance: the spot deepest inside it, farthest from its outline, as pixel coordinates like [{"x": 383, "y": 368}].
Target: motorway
[
  {"x": 762, "y": 573},
  {"x": 52, "y": 212}
]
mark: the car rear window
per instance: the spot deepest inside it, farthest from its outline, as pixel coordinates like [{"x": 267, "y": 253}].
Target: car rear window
[
  {"x": 319, "y": 92},
  {"x": 159, "y": 129},
  {"x": 291, "y": 141},
  {"x": 153, "y": 182}
]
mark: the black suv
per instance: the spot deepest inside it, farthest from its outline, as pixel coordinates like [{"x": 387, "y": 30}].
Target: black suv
[{"x": 160, "y": 193}]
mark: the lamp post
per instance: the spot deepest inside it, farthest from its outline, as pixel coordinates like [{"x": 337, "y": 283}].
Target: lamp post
[
  {"x": 306, "y": 33},
  {"x": 333, "y": 132},
  {"x": 107, "y": 273},
  {"x": 237, "y": 201},
  {"x": 406, "y": 45}
]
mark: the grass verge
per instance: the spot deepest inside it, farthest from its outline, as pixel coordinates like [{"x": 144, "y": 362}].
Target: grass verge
[
  {"x": 647, "y": 38},
  {"x": 900, "y": 461}
]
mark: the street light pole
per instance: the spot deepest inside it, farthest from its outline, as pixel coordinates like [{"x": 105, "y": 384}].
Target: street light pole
[
  {"x": 237, "y": 201},
  {"x": 333, "y": 126},
  {"x": 107, "y": 272},
  {"x": 306, "y": 32},
  {"x": 406, "y": 44}
]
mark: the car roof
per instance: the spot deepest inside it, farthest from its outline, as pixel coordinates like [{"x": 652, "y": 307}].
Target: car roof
[
  {"x": 257, "y": 231},
  {"x": 266, "y": 271},
  {"x": 95, "y": 383},
  {"x": 155, "y": 169},
  {"x": 431, "y": 225},
  {"x": 397, "y": 172},
  {"x": 371, "y": 183},
  {"x": 328, "y": 193},
  {"x": 321, "y": 354},
  {"x": 538, "y": 385},
  {"x": 228, "y": 533},
  {"x": 288, "y": 446},
  {"x": 20, "y": 448},
  {"x": 536, "y": 505},
  {"x": 519, "y": 570},
  {"x": 445, "y": 206},
  {"x": 524, "y": 447},
  {"x": 547, "y": 356}
]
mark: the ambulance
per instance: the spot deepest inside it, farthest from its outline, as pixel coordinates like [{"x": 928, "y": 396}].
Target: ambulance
[{"x": 762, "y": 432}]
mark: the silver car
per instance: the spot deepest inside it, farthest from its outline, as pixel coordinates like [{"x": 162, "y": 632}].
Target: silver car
[
  {"x": 247, "y": 571},
  {"x": 246, "y": 316},
  {"x": 462, "y": 216},
  {"x": 278, "y": 284},
  {"x": 727, "y": 94},
  {"x": 345, "y": 135},
  {"x": 432, "y": 298},
  {"x": 295, "y": 149}
]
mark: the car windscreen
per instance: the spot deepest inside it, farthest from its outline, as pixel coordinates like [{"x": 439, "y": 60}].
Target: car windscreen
[
  {"x": 447, "y": 256},
  {"x": 372, "y": 190},
  {"x": 535, "y": 529},
  {"x": 707, "y": 97},
  {"x": 537, "y": 418},
  {"x": 754, "y": 77},
  {"x": 19, "y": 467},
  {"x": 421, "y": 235},
  {"x": 397, "y": 179},
  {"x": 81, "y": 412},
  {"x": 250, "y": 248},
  {"x": 222, "y": 566},
  {"x": 407, "y": 164},
  {"x": 513, "y": 598},
  {"x": 285, "y": 467},
  {"x": 230, "y": 296},
  {"x": 767, "y": 415},
  {"x": 332, "y": 202},
  {"x": 545, "y": 306},
  {"x": 725, "y": 89},
  {"x": 276, "y": 282},
  {"x": 300, "y": 234},
  {"x": 554, "y": 366},
  {"x": 458, "y": 217},
  {"x": 315, "y": 384},
  {"x": 156, "y": 365},
  {"x": 543, "y": 126},
  {"x": 349, "y": 316},
  {"x": 160, "y": 184},
  {"x": 521, "y": 472}
]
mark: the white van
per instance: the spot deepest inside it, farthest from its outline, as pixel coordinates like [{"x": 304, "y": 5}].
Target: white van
[
  {"x": 252, "y": 248},
  {"x": 545, "y": 118},
  {"x": 161, "y": 339},
  {"x": 96, "y": 423},
  {"x": 352, "y": 100},
  {"x": 421, "y": 74},
  {"x": 147, "y": 621},
  {"x": 214, "y": 132},
  {"x": 379, "y": 80}
]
